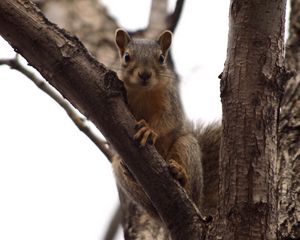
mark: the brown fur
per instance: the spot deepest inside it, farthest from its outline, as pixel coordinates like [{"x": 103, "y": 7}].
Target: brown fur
[{"x": 155, "y": 102}]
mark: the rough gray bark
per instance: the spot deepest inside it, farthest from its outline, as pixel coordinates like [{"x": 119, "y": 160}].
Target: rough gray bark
[
  {"x": 97, "y": 93},
  {"x": 250, "y": 93},
  {"x": 289, "y": 136}
]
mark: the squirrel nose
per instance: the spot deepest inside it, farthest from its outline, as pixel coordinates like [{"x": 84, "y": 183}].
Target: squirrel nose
[{"x": 144, "y": 75}]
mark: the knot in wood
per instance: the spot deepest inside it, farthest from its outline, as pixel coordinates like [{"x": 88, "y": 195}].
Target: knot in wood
[{"x": 111, "y": 85}]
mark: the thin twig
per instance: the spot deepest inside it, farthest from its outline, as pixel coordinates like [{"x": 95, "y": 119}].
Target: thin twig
[
  {"x": 173, "y": 18},
  {"x": 80, "y": 121}
]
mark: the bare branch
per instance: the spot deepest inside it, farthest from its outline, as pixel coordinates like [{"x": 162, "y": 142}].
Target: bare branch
[
  {"x": 158, "y": 18},
  {"x": 173, "y": 18},
  {"x": 114, "y": 224},
  {"x": 99, "y": 95},
  {"x": 79, "y": 120}
]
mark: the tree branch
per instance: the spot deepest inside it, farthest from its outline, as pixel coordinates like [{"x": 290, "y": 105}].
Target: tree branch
[
  {"x": 90, "y": 21},
  {"x": 173, "y": 18},
  {"x": 98, "y": 94},
  {"x": 113, "y": 224},
  {"x": 157, "y": 19},
  {"x": 78, "y": 119},
  {"x": 137, "y": 224}
]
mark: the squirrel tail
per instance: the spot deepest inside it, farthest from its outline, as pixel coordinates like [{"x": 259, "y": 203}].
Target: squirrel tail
[{"x": 209, "y": 139}]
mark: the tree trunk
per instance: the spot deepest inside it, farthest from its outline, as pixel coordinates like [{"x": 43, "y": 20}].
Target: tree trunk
[
  {"x": 250, "y": 93},
  {"x": 289, "y": 136}
]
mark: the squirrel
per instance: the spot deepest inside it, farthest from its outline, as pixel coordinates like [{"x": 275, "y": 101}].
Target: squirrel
[{"x": 153, "y": 98}]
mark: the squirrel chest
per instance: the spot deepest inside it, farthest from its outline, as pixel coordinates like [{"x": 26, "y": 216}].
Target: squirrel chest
[
  {"x": 148, "y": 105},
  {"x": 151, "y": 106}
]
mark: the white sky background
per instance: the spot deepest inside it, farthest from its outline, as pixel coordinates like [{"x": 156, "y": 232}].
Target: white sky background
[{"x": 54, "y": 183}]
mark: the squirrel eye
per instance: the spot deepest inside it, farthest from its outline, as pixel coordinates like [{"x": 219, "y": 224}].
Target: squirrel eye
[
  {"x": 126, "y": 57},
  {"x": 161, "y": 59}
]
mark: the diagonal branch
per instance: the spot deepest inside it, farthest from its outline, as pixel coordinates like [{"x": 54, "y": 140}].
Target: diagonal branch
[
  {"x": 78, "y": 119},
  {"x": 98, "y": 94},
  {"x": 173, "y": 18}
]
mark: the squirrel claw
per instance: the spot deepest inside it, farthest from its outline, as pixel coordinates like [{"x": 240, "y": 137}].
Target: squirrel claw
[
  {"x": 145, "y": 133},
  {"x": 177, "y": 172},
  {"x": 141, "y": 123}
]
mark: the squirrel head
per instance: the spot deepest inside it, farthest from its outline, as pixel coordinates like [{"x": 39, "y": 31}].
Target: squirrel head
[{"x": 143, "y": 61}]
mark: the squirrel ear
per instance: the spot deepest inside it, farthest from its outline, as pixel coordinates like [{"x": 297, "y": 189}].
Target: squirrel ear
[
  {"x": 165, "y": 40},
  {"x": 122, "y": 39}
]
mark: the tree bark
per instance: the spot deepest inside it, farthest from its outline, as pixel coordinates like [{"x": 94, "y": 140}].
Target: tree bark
[
  {"x": 97, "y": 93},
  {"x": 289, "y": 136},
  {"x": 89, "y": 21},
  {"x": 251, "y": 84}
]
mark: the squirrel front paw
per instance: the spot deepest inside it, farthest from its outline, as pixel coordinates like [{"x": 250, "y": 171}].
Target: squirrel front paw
[
  {"x": 145, "y": 134},
  {"x": 178, "y": 172}
]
